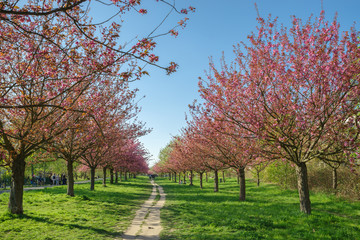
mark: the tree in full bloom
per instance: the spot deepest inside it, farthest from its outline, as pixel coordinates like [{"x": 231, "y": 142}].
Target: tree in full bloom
[
  {"x": 17, "y": 15},
  {"x": 294, "y": 89}
]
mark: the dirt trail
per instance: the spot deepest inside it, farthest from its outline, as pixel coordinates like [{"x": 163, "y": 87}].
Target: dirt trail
[{"x": 146, "y": 224}]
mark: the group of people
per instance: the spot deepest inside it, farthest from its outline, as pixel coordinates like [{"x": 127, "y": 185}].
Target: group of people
[{"x": 58, "y": 179}]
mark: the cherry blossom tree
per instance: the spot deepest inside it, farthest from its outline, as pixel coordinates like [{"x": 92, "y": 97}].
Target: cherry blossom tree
[
  {"x": 16, "y": 15},
  {"x": 294, "y": 89}
]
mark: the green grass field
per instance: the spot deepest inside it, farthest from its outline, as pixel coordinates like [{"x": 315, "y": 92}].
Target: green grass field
[
  {"x": 268, "y": 213},
  {"x": 51, "y": 214}
]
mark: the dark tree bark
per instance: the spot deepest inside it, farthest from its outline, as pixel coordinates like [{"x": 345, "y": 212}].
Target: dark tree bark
[
  {"x": 92, "y": 178},
  {"x": 303, "y": 188},
  {"x": 120, "y": 176},
  {"x": 201, "y": 180},
  {"x": 191, "y": 178},
  {"x": 242, "y": 184},
  {"x": 70, "y": 182},
  {"x": 116, "y": 177},
  {"x": 175, "y": 176},
  {"x": 17, "y": 185},
  {"x": 104, "y": 179},
  {"x": 125, "y": 176},
  {"x": 169, "y": 176},
  {"x": 223, "y": 173},
  {"x": 258, "y": 178},
  {"x": 184, "y": 177},
  {"x": 111, "y": 176},
  {"x": 216, "y": 181},
  {"x": 206, "y": 175}
]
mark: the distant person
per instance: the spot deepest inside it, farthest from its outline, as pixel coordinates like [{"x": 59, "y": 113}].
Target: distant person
[
  {"x": 57, "y": 179},
  {"x": 64, "y": 179},
  {"x": 53, "y": 178}
]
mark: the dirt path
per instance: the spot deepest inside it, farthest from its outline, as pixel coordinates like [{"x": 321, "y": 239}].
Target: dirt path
[{"x": 146, "y": 224}]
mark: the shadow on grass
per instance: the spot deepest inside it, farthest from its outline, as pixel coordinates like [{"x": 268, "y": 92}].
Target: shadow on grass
[
  {"x": 68, "y": 225},
  {"x": 269, "y": 212}
]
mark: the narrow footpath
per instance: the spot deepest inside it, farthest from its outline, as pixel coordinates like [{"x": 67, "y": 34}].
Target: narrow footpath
[{"x": 146, "y": 224}]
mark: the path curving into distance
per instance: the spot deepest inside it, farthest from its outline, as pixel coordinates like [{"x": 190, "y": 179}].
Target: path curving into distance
[{"x": 146, "y": 224}]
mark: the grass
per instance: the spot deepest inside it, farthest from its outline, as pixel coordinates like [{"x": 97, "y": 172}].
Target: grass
[
  {"x": 50, "y": 214},
  {"x": 268, "y": 213}
]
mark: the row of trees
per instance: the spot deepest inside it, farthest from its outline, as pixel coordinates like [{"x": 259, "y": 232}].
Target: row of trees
[
  {"x": 292, "y": 94},
  {"x": 64, "y": 88}
]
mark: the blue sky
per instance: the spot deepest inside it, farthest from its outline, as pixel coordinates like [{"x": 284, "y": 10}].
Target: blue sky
[{"x": 214, "y": 28}]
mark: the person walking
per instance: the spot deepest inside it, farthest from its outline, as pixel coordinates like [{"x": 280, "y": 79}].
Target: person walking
[
  {"x": 53, "y": 178},
  {"x": 57, "y": 178}
]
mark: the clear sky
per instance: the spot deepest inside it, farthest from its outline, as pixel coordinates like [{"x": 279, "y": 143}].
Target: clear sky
[{"x": 214, "y": 28}]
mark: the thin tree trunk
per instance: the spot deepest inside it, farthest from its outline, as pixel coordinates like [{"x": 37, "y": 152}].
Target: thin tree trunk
[
  {"x": 184, "y": 177},
  {"x": 175, "y": 176},
  {"x": 191, "y": 178},
  {"x": 17, "y": 185},
  {"x": 216, "y": 181},
  {"x": 125, "y": 176},
  {"x": 116, "y": 177},
  {"x": 206, "y": 175},
  {"x": 179, "y": 176},
  {"x": 201, "y": 180},
  {"x": 223, "y": 173},
  {"x": 120, "y": 176},
  {"x": 258, "y": 178},
  {"x": 303, "y": 188},
  {"x": 104, "y": 179},
  {"x": 169, "y": 176},
  {"x": 242, "y": 184},
  {"x": 111, "y": 176},
  {"x": 92, "y": 178},
  {"x": 70, "y": 171},
  {"x": 334, "y": 175}
]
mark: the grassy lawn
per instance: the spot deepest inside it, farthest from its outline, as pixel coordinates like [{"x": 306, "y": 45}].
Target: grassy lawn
[
  {"x": 268, "y": 213},
  {"x": 50, "y": 214}
]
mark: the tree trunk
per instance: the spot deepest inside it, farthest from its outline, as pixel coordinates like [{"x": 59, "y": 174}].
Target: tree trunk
[
  {"x": 17, "y": 185},
  {"x": 70, "y": 171},
  {"x": 179, "y": 177},
  {"x": 169, "y": 176},
  {"x": 303, "y": 188},
  {"x": 175, "y": 176},
  {"x": 201, "y": 180},
  {"x": 216, "y": 181},
  {"x": 184, "y": 177},
  {"x": 206, "y": 175},
  {"x": 334, "y": 175},
  {"x": 242, "y": 184},
  {"x": 116, "y": 177},
  {"x": 223, "y": 172},
  {"x": 104, "y": 179},
  {"x": 32, "y": 170},
  {"x": 258, "y": 178},
  {"x": 191, "y": 178},
  {"x": 92, "y": 178},
  {"x": 111, "y": 176},
  {"x": 120, "y": 176},
  {"x": 125, "y": 176}
]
